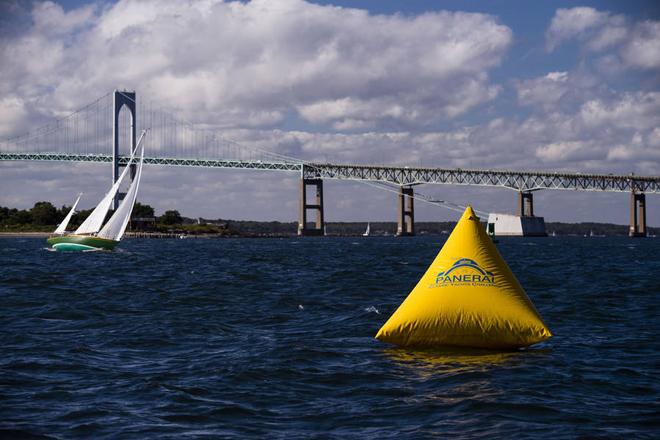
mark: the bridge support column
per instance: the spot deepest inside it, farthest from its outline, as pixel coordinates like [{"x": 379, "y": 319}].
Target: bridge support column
[
  {"x": 406, "y": 220},
  {"x": 121, "y": 99},
  {"x": 525, "y": 204},
  {"x": 319, "y": 226},
  {"x": 637, "y": 215}
]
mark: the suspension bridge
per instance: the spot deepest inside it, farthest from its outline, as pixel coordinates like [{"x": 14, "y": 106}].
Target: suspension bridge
[{"x": 95, "y": 133}]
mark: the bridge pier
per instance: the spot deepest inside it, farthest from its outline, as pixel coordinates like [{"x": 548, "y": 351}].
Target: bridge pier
[
  {"x": 524, "y": 224},
  {"x": 319, "y": 226},
  {"x": 525, "y": 204},
  {"x": 121, "y": 99},
  {"x": 637, "y": 215},
  {"x": 406, "y": 217}
]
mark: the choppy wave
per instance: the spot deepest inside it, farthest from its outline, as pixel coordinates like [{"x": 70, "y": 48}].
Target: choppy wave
[{"x": 245, "y": 339}]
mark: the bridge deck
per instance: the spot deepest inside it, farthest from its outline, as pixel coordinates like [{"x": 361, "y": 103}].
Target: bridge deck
[{"x": 517, "y": 180}]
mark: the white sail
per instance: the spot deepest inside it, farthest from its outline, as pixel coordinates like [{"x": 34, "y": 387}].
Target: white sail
[
  {"x": 61, "y": 229},
  {"x": 368, "y": 231},
  {"x": 115, "y": 227},
  {"x": 93, "y": 222}
]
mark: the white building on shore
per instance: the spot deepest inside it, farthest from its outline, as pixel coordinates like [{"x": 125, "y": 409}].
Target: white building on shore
[{"x": 516, "y": 226}]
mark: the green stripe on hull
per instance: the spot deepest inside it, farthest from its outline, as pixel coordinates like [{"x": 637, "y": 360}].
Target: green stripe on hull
[
  {"x": 73, "y": 247},
  {"x": 81, "y": 243}
]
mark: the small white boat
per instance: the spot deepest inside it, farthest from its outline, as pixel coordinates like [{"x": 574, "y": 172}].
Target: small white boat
[{"x": 368, "y": 231}]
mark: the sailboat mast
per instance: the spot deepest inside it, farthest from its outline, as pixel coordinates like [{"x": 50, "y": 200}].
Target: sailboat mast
[{"x": 93, "y": 223}]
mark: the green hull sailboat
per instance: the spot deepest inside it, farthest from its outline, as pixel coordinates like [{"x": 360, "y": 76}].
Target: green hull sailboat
[
  {"x": 73, "y": 242},
  {"x": 92, "y": 235}
]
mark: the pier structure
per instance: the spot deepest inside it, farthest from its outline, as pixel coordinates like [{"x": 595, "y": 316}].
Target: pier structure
[
  {"x": 83, "y": 136},
  {"x": 525, "y": 224},
  {"x": 406, "y": 211},
  {"x": 525, "y": 204},
  {"x": 316, "y": 205},
  {"x": 637, "y": 214}
]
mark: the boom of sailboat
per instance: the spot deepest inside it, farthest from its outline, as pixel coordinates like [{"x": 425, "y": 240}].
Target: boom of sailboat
[{"x": 92, "y": 234}]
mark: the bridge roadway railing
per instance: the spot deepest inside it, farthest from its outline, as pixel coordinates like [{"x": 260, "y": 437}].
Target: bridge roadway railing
[
  {"x": 123, "y": 160},
  {"x": 517, "y": 180}
]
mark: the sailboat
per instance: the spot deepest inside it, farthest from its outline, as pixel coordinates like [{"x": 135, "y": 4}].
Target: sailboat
[
  {"x": 92, "y": 234},
  {"x": 368, "y": 231}
]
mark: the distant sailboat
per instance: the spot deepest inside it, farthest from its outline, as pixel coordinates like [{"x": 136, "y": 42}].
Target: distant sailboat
[
  {"x": 92, "y": 234},
  {"x": 368, "y": 231}
]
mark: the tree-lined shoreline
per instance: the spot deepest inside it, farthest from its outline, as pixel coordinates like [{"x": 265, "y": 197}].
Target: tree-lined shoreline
[{"x": 43, "y": 217}]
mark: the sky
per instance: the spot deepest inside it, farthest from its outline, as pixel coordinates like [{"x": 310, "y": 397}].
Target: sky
[{"x": 570, "y": 86}]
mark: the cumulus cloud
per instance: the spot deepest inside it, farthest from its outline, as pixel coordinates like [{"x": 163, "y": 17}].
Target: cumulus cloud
[
  {"x": 642, "y": 50},
  {"x": 51, "y": 20},
  {"x": 638, "y": 111},
  {"x": 587, "y": 121},
  {"x": 597, "y": 29},
  {"x": 562, "y": 91},
  {"x": 615, "y": 133},
  {"x": 12, "y": 114},
  {"x": 251, "y": 64},
  {"x": 545, "y": 91},
  {"x": 637, "y": 44},
  {"x": 367, "y": 88},
  {"x": 566, "y": 150}
]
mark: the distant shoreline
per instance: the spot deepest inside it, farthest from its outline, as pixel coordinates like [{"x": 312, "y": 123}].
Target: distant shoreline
[
  {"x": 254, "y": 229},
  {"x": 24, "y": 234},
  {"x": 157, "y": 235}
]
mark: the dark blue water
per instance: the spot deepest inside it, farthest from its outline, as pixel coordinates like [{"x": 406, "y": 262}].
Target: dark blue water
[{"x": 273, "y": 338}]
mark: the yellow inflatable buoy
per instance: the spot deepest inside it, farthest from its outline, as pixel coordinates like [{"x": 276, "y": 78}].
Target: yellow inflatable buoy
[{"x": 468, "y": 297}]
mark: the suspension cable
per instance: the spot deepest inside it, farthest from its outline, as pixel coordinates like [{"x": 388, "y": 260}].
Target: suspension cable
[{"x": 173, "y": 123}]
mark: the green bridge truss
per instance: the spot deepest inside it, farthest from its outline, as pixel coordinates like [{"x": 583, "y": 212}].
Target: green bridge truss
[{"x": 516, "y": 180}]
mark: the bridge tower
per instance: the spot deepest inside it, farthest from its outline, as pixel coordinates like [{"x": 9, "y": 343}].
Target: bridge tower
[
  {"x": 406, "y": 214},
  {"x": 317, "y": 205},
  {"x": 120, "y": 100},
  {"x": 637, "y": 214}
]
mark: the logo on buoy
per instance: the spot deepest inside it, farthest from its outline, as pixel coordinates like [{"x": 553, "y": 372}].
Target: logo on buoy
[{"x": 475, "y": 276}]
